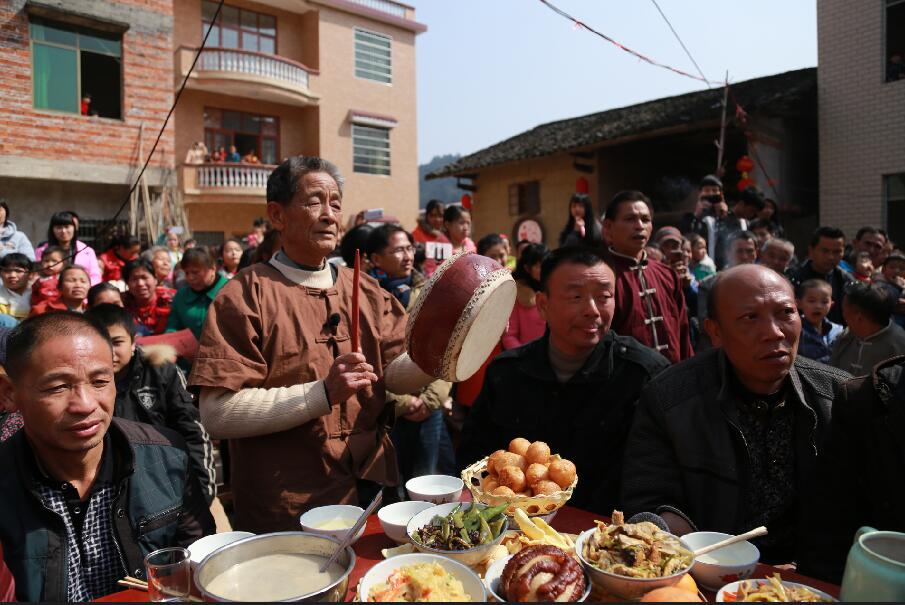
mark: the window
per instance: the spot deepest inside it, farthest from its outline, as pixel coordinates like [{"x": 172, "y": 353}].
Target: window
[
  {"x": 239, "y": 28},
  {"x": 247, "y": 131},
  {"x": 373, "y": 57},
  {"x": 370, "y": 149},
  {"x": 894, "y": 192},
  {"x": 524, "y": 198},
  {"x": 895, "y": 40},
  {"x": 75, "y": 69}
]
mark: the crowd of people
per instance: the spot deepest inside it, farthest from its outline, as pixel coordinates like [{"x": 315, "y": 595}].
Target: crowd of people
[
  {"x": 199, "y": 154},
  {"x": 701, "y": 374}
]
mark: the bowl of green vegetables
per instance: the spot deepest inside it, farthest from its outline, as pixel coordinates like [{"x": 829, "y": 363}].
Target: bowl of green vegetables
[{"x": 462, "y": 531}]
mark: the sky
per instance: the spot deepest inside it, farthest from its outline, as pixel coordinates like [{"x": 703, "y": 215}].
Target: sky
[{"x": 490, "y": 69}]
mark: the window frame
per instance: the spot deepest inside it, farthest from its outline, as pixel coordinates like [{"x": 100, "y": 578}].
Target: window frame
[
  {"x": 389, "y": 150},
  {"x": 355, "y": 31},
  {"x": 885, "y": 58},
  {"x": 518, "y": 199},
  {"x": 77, "y": 30},
  {"x": 888, "y": 200},
  {"x": 239, "y": 30},
  {"x": 213, "y": 130}
]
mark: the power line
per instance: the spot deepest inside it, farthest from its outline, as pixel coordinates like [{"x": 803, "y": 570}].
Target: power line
[
  {"x": 634, "y": 53},
  {"x": 682, "y": 44}
]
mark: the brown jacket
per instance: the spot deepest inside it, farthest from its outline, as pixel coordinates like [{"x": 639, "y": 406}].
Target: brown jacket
[{"x": 264, "y": 331}]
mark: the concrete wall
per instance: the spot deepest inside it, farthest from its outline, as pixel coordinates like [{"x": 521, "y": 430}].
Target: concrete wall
[{"x": 862, "y": 118}]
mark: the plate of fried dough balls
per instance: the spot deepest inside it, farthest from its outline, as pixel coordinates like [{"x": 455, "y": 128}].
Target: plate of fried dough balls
[{"x": 526, "y": 474}]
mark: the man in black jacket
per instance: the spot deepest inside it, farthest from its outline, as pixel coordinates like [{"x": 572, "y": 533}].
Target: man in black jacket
[
  {"x": 85, "y": 496},
  {"x": 824, "y": 255},
  {"x": 575, "y": 388},
  {"x": 155, "y": 393},
  {"x": 861, "y": 475},
  {"x": 713, "y": 220},
  {"x": 728, "y": 440}
]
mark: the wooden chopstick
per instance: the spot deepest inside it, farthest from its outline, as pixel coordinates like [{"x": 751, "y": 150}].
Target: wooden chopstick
[
  {"x": 356, "y": 278},
  {"x": 131, "y": 584}
]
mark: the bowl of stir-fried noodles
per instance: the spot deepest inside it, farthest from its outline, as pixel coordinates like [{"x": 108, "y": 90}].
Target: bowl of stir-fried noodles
[
  {"x": 771, "y": 590},
  {"x": 628, "y": 560}
]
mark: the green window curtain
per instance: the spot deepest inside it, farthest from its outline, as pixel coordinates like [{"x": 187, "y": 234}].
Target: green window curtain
[{"x": 55, "y": 78}]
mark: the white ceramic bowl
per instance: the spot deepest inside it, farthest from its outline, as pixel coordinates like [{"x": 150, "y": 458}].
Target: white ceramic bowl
[
  {"x": 623, "y": 587},
  {"x": 471, "y": 583},
  {"x": 394, "y": 518},
  {"x": 469, "y": 557},
  {"x": 438, "y": 489},
  {"x": 322, "y": 514},
  {"x": 204, "y": 546},
  {"x": 495, "y": 572},
  {"x": 728, "y": 564},
  {"x": 733, "y": 587}
]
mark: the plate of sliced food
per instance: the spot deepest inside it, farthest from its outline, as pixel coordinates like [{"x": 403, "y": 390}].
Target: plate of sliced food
[{"x": 771, "y": 590}]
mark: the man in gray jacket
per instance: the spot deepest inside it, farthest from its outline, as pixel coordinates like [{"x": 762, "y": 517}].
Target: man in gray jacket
[
  {"x": 871, "y": 335},
  {"x": 728, "y": 440}
]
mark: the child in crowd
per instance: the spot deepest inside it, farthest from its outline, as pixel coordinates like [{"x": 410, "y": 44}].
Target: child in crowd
[
  {"x": 15, "y": 297},
  {"x": 815, "y": 298},
  {"x": 863, "y": 267},
  {"x": 701, "y": 264},
  {"x": 892, "y": 279},
  {"x": 46, "y": 286}
]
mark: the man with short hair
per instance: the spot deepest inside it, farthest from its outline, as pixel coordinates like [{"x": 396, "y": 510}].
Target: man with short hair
[
  {"x": 85, "y": 497},
  {"x": 867, "y": 239},
  {"x": 824, "y": 254},
  {"x": 871, "y": 335},
  {"x": 712, "y": 219},
  {"x": 728, "y": 440},
  {"x": 892, "y": 279},
  {"x": 190, "y": 305},
  {"x": 574, "y": 388},
  {"x": 650, "y": 306},
  {"x": 763, "y": 230},
  {"x": 749, "y": 204},
  {"x": 776, "y": 254}
]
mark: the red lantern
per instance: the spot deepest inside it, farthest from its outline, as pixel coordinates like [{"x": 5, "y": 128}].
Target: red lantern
[
  {"x": 745, "y": 183},
  {"x": 744, "y": 164},
  {"x": 466, "y": 201},
  {"x": 581, "y": 185}
]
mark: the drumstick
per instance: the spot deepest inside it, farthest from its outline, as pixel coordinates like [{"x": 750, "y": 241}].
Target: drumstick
[{"x": 356, "y": 278}]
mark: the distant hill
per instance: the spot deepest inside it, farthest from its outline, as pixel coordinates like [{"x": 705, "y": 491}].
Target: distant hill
[{"x": 444, "y": 190}]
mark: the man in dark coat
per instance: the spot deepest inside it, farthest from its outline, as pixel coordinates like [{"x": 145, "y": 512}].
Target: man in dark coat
[
  {"x": 824, "y": 255},
  {"x": 728, "y": 441},
  {"x": 861, "y": 475},
  {"x": 650, "y": 305},
  {"x": 713, "y": 220},
  {"x": 575, "y": 388}
]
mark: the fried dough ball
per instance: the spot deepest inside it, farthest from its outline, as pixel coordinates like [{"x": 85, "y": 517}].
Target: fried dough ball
[
  {"x": 545, "y": 488},
  {"x": 512, "y": 477},
  {"x": 563, "y": 472},
  {"x": 538, "y": 452},
  {"x": 503, "y": 492},
  {"x": 510, "y": 459},
  {"x": 536, "y": 472},
  {"x": 489, "y": 483},
  {"x": 519, "y": 446},
  {"x": 492, "y": 462}
]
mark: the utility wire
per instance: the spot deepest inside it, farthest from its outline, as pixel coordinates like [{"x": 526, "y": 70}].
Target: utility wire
[{"x": 682, "y": 44}]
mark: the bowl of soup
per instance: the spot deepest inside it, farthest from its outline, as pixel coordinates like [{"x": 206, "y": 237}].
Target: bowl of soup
[
  {"x": 334, "y": 520},
  {"x": 724, "y": 565},
  {"x": 276, "y": 567}
]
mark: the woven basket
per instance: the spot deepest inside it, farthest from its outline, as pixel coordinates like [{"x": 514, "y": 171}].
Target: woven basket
[{"x": 532, "y": 505}]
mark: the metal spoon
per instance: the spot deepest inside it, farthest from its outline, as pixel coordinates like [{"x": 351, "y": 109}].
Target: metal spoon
[{"x": 350, "y": 536}]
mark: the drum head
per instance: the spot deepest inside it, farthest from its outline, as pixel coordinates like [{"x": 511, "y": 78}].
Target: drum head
[{"x": 486, "y": 329}]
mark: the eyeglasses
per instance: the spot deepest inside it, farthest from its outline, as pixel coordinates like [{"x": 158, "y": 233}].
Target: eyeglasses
[{"x": 404, "y": 250}]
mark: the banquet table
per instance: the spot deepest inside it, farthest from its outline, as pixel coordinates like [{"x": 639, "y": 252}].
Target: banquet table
[{"x": 568, "y": 520}]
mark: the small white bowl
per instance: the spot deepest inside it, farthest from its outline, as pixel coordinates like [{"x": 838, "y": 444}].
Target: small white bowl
[
  {"x": 394, "y": 518},
  {"x": 728, "y": 564},
  {"x": 471, "y": 583},
  {"x": 733, "y": 587},
  {"x": 495, "y": 573},
  {"x": 623, "y": 587},
  {"x": 322, "y": 514},
  {"x": 438, "y": 489},
  {"x": 471, "y": 556},
  {"x": 204, "y": 546}
]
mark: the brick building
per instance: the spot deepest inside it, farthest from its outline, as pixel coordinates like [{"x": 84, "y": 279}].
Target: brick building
[
  {"x": 334, "y": 78},
  {"x": 53, "y": 53},
  {"x": 862, "y": 114}
]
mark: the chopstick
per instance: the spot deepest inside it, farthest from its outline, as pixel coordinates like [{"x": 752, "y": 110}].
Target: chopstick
[
  {"x": 130, "y": 582},
  {"x": 350, "y": 537},
  {"x": 758, "y": 531},
  {"x": 356, "y": 278}
]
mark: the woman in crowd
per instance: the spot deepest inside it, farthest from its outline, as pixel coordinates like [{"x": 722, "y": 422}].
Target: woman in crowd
[
  {"x": 11, "y": 239},
  {"x": 63, "y": 232},
  {"x": 230, "y": 257},
  {"x": 525, "y": 323},
  {"x": 74, "y": 284},
  {"x": 104, "y": 293},
  {"x": 148, "y": 302},
  {"x": 493, "y": 246},
  {"x": 457, "y": 226},
  {"x": 582, "y": 228},
  {"x": 770, "y": 213},
  {"x": 163, "y": 268},
  {"x": 174, "y": 248},
  {"x": 430, "y": 229}
]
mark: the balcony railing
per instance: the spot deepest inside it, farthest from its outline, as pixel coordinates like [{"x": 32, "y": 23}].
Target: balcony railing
[
  {"x": 229, "y": 176},
  {"x": 254, "y": 64}
]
